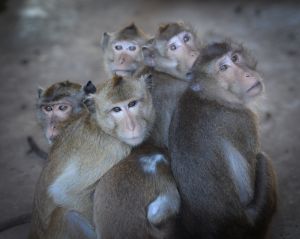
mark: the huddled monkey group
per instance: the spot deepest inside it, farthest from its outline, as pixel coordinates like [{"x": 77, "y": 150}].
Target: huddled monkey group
[{"x": 166, "y": 147}]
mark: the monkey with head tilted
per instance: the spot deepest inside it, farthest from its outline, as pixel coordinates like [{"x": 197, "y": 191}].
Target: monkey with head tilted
[
  {"x": 88, "y": 146},
  {"x": 169, "y": 57},
  {"x": 227, "y": 185}
]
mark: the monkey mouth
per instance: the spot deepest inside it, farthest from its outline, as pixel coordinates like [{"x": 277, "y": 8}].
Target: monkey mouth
[
  {"x": 133, "y": 140},
  {"x": 255, "y": 89},
  {"x": 125, "y": 72}
]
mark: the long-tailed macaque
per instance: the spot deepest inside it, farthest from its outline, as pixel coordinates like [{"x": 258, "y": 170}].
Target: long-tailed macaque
[
  {"x": 171, "y": 54},
  {"x": 56, "y": 104},
  {"x": 137, "y": 198},
  {"x": 89, "y": 145},
  {"x": 123, "y": 50},
  {"x": 227, "y": 186}
]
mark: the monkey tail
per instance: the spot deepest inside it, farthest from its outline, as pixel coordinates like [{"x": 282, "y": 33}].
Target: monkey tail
[
  {"x": 264, "y": 203},
  {"x": 16, "y": 221}
]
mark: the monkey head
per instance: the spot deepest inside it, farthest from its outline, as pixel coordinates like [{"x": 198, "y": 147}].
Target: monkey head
[
  {"x": 122, "y": 50},
  {"x": 123, "y": 108},
  {"x": 57, "y": 104},
  {"x": 229, "y": 66},
  {"x": 173, "y": 51}
]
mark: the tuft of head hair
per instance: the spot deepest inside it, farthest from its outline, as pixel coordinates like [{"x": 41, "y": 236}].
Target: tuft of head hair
[
  {"x": 168, "y": 30},
  {"x": 60, "y": 90},
  {"x": 131, "y": 32}
]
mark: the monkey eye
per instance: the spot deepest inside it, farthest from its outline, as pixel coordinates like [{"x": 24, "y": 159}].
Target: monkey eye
[
  {"x": 132, "y": 48},
  {"x": 132, "y": 103},
  {"x": 48, "y": 108},
  {"x": 223, "y": 67},
  {"x": 186, "y": 38},
  {"x": 234, "y": 58},
  {"x": 118, "y": 47},
  {"x": 173, "y": 47},
  {"x": 63, "y": 107},
  {"x": 116, "y": 109}
]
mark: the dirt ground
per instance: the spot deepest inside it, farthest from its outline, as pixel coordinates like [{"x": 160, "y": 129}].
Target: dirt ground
[{"x": 42, "y": 42}]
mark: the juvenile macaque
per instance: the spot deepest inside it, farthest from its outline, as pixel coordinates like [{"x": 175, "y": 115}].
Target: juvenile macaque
[
  {"x": 123, "y": 50},
  {"x": 173, "y": 50},
  {"x": 89, "y": 145},
  {"x": 171, "y": 54},
  {"x": 137, "y": 198},
  {"x": 56, "y": 104},
  {"x": 226, "y": 184}
]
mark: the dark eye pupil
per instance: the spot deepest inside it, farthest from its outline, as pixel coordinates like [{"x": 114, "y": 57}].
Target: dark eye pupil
[
  {"x": 118, "y": 47},
  {"x": 116, "y": 109},
  {"x": 223, "y": 67},
  {"x": 62, "y": 107},
  {"x": 48, "y": 108},
  {"x": 173, "y": 47},
  {"x": 234, "y": 58},
  {"x": 132, "y": 48},
  {"x": 132, "y": 103},
  {"x": 186, "y": 38}
]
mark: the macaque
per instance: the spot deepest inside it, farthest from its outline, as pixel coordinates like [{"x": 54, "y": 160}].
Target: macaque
[
  {"x": 173, "y": 50},
  {"x": 56, "y": 104},
  {"x": 227, "y": 185},
  {"x": 88, "y": 146},
  {"x": 137, "y": 198},
  {"x": 171, "y": 54},
  {"x": 123, "y": 50}
]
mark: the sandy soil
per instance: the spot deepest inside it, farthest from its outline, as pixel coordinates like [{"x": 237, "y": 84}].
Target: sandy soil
[{"x": 47, "y": 41}]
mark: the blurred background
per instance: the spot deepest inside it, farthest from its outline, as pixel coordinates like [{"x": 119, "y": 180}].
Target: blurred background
[{"x": 42, "y": 42}]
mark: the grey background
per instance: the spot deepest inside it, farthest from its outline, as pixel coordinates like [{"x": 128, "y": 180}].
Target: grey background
[{"x": 42, "y": 42}]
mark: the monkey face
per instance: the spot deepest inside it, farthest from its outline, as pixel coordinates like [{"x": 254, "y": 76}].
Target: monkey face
[
  {"x": 182, "y": 48},
  {"x": 130, "y": 127},
  {"x": 126, "y": 55},
  {"x": 236, "y": 76},
  {"x": 54, "y": 113}
]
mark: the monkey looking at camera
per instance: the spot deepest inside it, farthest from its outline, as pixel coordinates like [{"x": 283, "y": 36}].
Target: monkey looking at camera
[
  {"x": 123, "y": 50},
  {"x": 171, "y": 55},
  {"x": 56, "y": 104},
  {"x": 226, "y": 184},
  {"x": 89, "y": 145}
]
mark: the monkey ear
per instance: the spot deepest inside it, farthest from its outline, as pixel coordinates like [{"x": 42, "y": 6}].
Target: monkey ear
[
  {"x": 40, "y": 92},
  {"x": 89, "y": 88},
  {"x": 105, "y": 39}
]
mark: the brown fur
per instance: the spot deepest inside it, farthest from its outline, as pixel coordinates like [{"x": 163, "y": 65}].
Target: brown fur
[
  {"x": 123, "y": 195},
  {"x": 168, "y": 81},
  {"x": 86, "y": 149},
  {"x": 130, "y": 33},
  {"x": 227, "y": 186}
]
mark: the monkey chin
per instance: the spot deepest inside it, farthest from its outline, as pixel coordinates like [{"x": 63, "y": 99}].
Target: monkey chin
[{"x": 134, "y": 141}]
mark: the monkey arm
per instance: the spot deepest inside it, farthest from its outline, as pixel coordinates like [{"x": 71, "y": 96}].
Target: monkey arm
[{"x": 263, "y": 204}]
